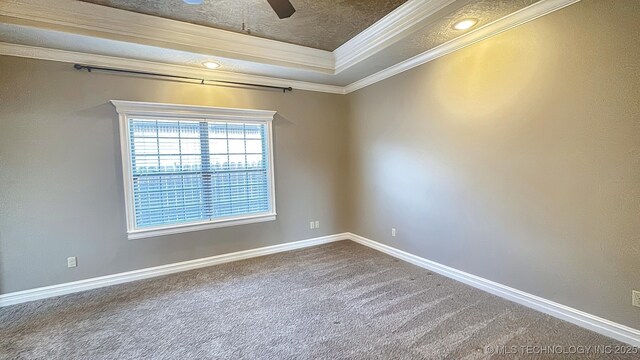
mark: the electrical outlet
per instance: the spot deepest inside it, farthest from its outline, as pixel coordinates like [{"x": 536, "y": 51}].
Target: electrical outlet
[
  {"x": 312, "y": 225},
  {"x": 72, "y": 261},
  {"x": 317, "y": 224},
  {"x": 393, "y": 232},
  {"x": 636, "y": 298}
]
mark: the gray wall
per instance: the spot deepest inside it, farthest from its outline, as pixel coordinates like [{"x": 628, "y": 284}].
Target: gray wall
[
  {"x": 60, "y": 170},
  {"x": 516, "y": 159}
]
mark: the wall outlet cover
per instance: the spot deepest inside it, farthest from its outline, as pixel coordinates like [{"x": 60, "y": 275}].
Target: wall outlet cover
[
  {"x": 636, "y": 298},
  {"x": 72, "y": 262}
]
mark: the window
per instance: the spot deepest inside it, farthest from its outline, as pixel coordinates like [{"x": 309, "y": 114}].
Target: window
[{"x": 190, "y": 168}]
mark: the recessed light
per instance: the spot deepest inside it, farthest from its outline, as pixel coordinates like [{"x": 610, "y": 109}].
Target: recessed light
[
  {"x": 211, "y": 64},
  {"x": 465, "y": 24}
]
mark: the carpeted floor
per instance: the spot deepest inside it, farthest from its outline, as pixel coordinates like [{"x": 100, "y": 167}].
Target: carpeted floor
[{"x": 335, "y": 301}]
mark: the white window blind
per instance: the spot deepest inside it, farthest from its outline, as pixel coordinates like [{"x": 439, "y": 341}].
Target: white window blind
[{"x": 186, "y": 171}]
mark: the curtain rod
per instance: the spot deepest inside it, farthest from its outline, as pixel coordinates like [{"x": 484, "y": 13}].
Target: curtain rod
[{"x": 202, "y": 81}]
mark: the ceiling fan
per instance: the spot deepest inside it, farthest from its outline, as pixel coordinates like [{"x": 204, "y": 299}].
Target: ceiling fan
[{"x": 283, "y": 8}]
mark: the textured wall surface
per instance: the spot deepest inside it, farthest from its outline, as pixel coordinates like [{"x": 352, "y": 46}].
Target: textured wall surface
[
  {"x": 516, "y": 159},
  {"x": 61, "y": 175}
]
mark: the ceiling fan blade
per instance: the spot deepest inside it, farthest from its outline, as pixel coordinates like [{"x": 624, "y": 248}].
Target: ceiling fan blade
[
  {"x": 193, "y": 2},
  {"x": 283, "y": 8}
]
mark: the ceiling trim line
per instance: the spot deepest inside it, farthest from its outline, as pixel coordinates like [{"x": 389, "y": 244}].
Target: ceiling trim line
[
  {"x": 94, "y": 20},
  {"x": 386, "y": 31},
  {"x": 72, "y": 57},
  {"x": 503, "y": 24}
]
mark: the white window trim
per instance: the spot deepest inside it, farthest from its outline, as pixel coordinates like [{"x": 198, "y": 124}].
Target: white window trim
[{"x": 133, "y": 109}]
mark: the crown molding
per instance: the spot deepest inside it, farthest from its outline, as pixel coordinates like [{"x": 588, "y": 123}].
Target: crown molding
[
  {"x": 394, "y": 26},
  {"x": 503, "y": 24},
  {"x": 94, "y": 20},
  {"x": 161, "y": 68}
]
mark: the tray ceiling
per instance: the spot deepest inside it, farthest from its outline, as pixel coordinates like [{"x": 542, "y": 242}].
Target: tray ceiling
[
  {"x": 320, "y": 24},
  {"x": 415, "y": 32}
]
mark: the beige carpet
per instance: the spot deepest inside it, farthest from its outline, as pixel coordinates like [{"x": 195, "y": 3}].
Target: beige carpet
[{"x": 335, "y": 301}]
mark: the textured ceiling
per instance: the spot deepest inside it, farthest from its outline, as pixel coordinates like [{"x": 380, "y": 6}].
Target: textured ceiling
[
  {"x": 320, "y": 24},
  {"x": 428, "y": 34},
  {"x": 437, "y": 32}
]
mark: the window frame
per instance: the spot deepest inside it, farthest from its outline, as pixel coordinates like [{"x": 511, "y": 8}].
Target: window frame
[{"x": 157, "y": 111}]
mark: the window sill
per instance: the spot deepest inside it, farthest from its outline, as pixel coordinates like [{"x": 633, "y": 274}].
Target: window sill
[{"x": 182, "y": 228}]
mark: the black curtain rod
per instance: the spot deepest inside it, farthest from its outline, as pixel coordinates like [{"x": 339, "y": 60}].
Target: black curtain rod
[{"x": 202, "y": 81}]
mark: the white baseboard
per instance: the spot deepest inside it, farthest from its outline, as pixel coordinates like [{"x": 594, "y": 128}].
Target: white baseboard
[
  {"x": 597, "y": 324},
  {"x": 594, "y": 323},
  {"x": 102, "y": 281}
]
